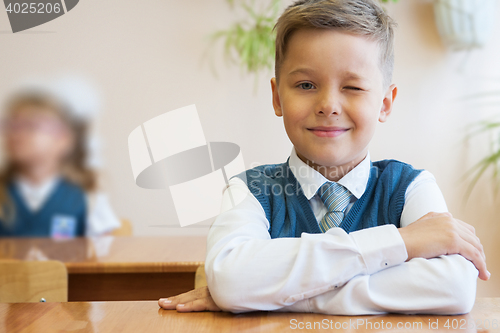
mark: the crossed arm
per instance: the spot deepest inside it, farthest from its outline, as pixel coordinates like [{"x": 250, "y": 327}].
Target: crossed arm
[{"x": 429, "y": 266}]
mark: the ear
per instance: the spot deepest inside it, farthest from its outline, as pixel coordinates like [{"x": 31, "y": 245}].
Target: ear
[
  {"x": 276, "y": 98},
  {"x": 388, "y": 102}
]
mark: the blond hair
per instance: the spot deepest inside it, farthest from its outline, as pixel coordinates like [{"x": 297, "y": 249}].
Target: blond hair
[
  {"x": 74, "y": 168},
  {"x": 361, "y": 17}
]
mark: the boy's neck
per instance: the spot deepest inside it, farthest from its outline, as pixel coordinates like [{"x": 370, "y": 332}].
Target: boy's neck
[{"x": 335, "y": 172}]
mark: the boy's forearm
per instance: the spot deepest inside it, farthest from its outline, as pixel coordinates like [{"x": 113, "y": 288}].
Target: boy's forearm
[
  {"x": 247, "y": 273},
  {"x": 444, "y": 285}
]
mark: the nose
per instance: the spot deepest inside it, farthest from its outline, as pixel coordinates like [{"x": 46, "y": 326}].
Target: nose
[{"x": 329, "y": 103}]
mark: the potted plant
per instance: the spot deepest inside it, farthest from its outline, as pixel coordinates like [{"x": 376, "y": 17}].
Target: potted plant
[
  {"x": 250, "y": 42},
  {"x": 492, "y": 160}
]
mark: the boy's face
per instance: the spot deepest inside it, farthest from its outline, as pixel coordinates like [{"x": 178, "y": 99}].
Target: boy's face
[{"x": 331, "y": 96}]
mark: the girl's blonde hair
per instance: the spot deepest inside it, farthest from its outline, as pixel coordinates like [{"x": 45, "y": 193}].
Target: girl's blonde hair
[{"x": 74, "y": 168}]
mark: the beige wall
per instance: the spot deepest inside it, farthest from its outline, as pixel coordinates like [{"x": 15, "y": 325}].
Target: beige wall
[{"x": 147, "y": 57}]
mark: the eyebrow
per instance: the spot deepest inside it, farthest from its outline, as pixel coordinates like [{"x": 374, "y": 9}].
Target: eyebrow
[
  {"x": 354, "y": 76},
  {"x": 347, "y": 75},
  {"x": 302, "y": 70}
]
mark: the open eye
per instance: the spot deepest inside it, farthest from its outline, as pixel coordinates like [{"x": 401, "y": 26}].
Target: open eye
[{"x": 306, "y": 85}]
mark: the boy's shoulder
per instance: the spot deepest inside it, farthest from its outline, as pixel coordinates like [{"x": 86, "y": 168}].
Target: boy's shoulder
[
  {"x": 394, "y": 172},
  {"x": 265, "y": 176},
  {"x": 392, "y": 163},
  {"x": 393, "y": 166}
]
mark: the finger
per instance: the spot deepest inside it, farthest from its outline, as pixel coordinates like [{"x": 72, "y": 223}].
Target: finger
[
  {"x": 471, "y": 253},
  {"x": 171, "y": 302},
  {"x": 466, "y": 233},
  {"x": 203, "y": 304},
  {"x": 166, "y": 304},
  {"x": 473, "y": 230},
  {"x": 467, "y": 225},
  {"x": 471, "y": 238}
]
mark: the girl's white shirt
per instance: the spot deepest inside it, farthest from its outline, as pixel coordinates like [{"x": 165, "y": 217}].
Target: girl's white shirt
[{"x": 100, "y": 216}]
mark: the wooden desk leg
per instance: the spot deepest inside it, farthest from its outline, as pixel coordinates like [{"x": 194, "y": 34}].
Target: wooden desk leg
[{"x": 127, "y": 286}]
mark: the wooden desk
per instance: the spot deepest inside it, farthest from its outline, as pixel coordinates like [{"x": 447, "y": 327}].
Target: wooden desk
[
  {"x": 117, "y": 268},
  {"x": 147, "y": 317}
]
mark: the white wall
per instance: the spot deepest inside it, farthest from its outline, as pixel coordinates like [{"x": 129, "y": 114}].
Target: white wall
[{"x": 148, "y": 58}]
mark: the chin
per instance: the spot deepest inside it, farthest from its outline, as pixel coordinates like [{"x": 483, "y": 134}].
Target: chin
[
  {"x": 327, "y": 161},
  {"x": 328, "y": 156}
]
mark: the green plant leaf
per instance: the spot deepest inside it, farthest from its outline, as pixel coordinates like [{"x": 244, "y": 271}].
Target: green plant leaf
[
  {"x": 492, "y": 160},
  {"x": 251, "y": 40},
  {"x": 480, "y": 168}
]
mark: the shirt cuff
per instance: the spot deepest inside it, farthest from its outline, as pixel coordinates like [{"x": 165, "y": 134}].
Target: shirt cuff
[{"x": 380, "y": 247}]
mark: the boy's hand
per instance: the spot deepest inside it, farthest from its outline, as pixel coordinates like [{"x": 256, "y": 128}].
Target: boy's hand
[
  {"x": 436, "y": 234},
  {"x": 198, "y": 299}
]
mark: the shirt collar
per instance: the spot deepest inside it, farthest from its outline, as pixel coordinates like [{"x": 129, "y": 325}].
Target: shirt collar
[
  {"x": 310, "y": 180},
  {"x": 35, "y": 194}
]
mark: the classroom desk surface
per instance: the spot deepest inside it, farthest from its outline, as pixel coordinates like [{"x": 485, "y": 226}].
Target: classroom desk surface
[
  {"x": 148, "y": 317},
  {"x": 111, "y": 254},
  {"x": 117, "y": 268}
]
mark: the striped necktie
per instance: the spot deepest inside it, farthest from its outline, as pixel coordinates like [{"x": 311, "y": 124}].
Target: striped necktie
[{"x": 336, "y": 198}]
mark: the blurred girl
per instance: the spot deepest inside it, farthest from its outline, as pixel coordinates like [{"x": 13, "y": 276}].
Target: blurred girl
[{"x": 46, "y": 183}]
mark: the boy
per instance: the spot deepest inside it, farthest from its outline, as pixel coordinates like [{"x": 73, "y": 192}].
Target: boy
[{"x": 329, "y": 231}]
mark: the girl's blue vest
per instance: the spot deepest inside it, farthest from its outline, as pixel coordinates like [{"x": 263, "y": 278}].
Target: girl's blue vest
[{"x": 62, "y": 215}]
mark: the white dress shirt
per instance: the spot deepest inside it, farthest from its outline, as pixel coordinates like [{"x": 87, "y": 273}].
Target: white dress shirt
[
  {"x": 100, "y": 216},
  {"x": 363, "y": 272}
]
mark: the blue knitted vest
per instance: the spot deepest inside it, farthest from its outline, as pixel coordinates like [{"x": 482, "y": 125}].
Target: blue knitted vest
[
  {"x": 289, "y": 212},
  {"x": 67, "y": 201}
]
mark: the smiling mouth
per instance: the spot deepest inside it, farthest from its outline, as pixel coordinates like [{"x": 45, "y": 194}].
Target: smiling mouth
[{"x": 328, "y": 131}]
